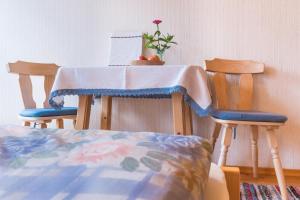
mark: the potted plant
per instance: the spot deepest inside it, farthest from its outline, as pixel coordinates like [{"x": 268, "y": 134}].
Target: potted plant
[{"x": 158, "y": 41}]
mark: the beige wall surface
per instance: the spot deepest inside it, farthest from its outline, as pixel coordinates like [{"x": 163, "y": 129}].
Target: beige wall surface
[{"x": 75, "y": 33}]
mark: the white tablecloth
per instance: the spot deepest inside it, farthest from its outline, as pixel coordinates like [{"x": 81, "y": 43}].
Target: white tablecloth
[{"x": 134, "y": 81}]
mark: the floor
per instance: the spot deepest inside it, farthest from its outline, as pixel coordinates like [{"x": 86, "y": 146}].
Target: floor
[{"x": 269, "y": 180}]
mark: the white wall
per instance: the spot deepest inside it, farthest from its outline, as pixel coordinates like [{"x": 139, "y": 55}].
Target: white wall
[{"x": 75, "y": 33}]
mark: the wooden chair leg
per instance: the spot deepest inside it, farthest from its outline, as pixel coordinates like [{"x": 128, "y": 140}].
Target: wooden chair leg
[
  {"x": 215, "y": 135},
  {"x": 188, "y": 120},
  {"x": 178, "y": 114},
  {"x": 226, "y": 141},
  {"x": 43, "y": 125},
  {"x": 106, "y": 107},
  {"x": 26, "y": 123},
  {"x": 254, "y": 150},
  {"x": 60, "y": 123},
  {"x": 272, "y": 140}
]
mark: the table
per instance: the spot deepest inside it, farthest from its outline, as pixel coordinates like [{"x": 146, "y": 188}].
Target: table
[{"x": 186, "y": 85}]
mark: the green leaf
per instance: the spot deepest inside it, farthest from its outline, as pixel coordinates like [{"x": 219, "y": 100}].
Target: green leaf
[
  {"x": 145, "y": 36},
  {"x": 130, "y": 164},
  {"x": 150, "y": 46},
  {"x": 157, "y": 33},
  {"x": 164, "y": 40},
  {"x": 170, "y": 37},
  {"x": 151, "y": 163}
]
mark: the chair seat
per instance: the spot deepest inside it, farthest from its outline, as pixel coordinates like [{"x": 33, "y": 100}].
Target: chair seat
[
  {"x": 254, "y": 116},
  {"x": 48, "y": 112}
]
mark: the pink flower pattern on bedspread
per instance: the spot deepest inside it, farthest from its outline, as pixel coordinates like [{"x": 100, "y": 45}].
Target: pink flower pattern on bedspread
[
  {"x": 93, "y": 153},
  {"x": 68, "y": 164}
]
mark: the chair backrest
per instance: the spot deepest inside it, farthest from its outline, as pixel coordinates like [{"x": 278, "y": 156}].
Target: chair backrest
[
  {"x": 27, "y": 69},
  {"x": 124, "y": 48},
  {"x": 245, "y": 69}
]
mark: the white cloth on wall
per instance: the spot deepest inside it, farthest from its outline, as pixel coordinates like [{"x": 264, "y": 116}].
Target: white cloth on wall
[{"x": 125, "y": 47}]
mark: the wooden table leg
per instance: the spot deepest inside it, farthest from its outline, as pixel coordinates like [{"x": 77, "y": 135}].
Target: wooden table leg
[
  {"x": 83, "y": 112},
  {"x": 106, "y": 107},
  {"x": 60, "y": 123},
  {"x": 188, "y": 120},
  {"x": 26, "y": 123},
  {"x": 43, "y": 125},
  {"x": 178, "y": 114}
]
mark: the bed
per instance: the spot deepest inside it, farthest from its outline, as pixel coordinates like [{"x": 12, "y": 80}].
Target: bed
[
  {"x": 68, "y": 164},
  {"x": 223, "y": 183}
]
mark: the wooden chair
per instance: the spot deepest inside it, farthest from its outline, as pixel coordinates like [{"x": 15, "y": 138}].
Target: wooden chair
[
  {"x": 31, "y": 114},
  {"x": 227, "y": 120}
]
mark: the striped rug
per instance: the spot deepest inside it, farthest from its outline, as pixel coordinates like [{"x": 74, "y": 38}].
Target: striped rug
[{"x": 266, "y": 192}]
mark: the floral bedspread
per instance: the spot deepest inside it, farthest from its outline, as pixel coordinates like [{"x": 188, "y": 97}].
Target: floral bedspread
[{"x": 61, "y": 164}]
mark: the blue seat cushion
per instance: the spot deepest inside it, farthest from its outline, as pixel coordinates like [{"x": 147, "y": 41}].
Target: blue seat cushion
[
  {"x": 254, "y": 116},
  {"x": 48, "y": 112}
]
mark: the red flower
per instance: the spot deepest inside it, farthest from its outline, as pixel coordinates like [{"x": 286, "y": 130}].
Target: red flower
[{"x": 157, "y": 21}]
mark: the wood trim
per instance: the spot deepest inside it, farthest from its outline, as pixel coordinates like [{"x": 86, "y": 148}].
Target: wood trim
[
  {"x": 269, "y": 171},
  {"x": 234, "y": 66},
  {"x": 232, "y": 176}
]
